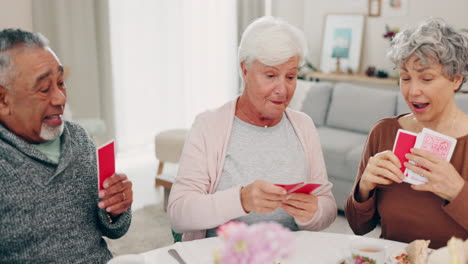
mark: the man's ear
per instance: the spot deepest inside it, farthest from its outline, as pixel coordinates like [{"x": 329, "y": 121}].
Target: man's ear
[{"x": 4, "y": 101}]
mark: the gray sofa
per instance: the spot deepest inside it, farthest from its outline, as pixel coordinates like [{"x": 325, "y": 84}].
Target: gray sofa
[{"x": 344, "y": 114}]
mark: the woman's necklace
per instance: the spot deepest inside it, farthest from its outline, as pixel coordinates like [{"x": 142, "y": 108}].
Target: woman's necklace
[{"x": 250, "y": 120}]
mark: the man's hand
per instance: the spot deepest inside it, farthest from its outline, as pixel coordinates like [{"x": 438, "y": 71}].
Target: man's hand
[
  {"x": 301, "y": 206},
  {"x": 262, "y": 197},
  {"x": 117, "y": 196}
]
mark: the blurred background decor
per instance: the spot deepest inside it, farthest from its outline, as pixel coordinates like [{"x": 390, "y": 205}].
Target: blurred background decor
[
  {"x": 390, "y": 33},
  {"x": 341, "y": 46}
]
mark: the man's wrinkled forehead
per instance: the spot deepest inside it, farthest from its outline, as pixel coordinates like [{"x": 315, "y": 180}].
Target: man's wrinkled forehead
[
  {"x": 34, "y": 56},
  {"x": 33, "y": 65}
]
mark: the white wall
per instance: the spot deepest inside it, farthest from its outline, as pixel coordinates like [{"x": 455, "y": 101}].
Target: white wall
[
  {"x": 16, "y": 14},
  {"x": 71, "y": 28},
  {"x": 309, "y": 15}
]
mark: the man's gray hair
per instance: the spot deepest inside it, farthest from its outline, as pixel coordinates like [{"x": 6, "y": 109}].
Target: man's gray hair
[
  {"x": 433, "y": 41},
  {"x": 12, "y": 38},
  {"x": 272, "y": 41}
]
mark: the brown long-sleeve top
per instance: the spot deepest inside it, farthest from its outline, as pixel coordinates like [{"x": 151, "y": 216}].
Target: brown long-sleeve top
[{"x": 406, "y": 214}]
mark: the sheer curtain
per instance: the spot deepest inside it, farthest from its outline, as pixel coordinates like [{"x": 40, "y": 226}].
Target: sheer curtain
[
  {"x": 79, "y": 34},
  {"x": 71, "y": 28},
  {"x": 172, "y": 59},
  {"x": 248, "y": 11}
]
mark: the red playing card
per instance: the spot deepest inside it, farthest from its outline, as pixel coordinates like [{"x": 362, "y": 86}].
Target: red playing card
[
  {"x": 404, "y": 141},
  {"x": 300, "y": 187},
  {"x": 288, "y": 187},
  {"x": 306, "y": 188},
  {"x": 106, "y": 162}
]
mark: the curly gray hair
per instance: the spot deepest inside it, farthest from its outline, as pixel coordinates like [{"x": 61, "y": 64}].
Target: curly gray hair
[
  {"x": 9, "y": 39},
  {"x": 433, "y": 41}
]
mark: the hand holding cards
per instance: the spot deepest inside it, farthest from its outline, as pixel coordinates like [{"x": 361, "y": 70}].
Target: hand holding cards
[
  {"x": 106, "y": 162},
  {"x": 428, "y": 140},
  {"x": 114, "y": 201},
  {"x": 300, "y": 187}
]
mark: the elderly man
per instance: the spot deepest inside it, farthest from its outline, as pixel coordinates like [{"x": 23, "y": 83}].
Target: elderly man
[{"x": 50, "y": 209}]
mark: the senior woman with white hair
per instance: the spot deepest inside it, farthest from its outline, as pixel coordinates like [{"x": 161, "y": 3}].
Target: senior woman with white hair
[
  {"x": 234, "y": 155},
  {"x": 432, "y": 59}
]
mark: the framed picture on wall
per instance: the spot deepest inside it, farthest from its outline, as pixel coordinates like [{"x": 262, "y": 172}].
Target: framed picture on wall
[
  {"x": 342, "y": 43},
  {"x": 374, "y": 7},
  {"x": 394, "y": 8}
]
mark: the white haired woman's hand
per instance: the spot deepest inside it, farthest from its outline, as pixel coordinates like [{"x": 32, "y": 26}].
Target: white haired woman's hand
[
  {"x": 444, "y": 180},
  {"x": 301, "y": 206},
  {"x": 262, "y": 197},
  {"x": 382, "y": 168}
]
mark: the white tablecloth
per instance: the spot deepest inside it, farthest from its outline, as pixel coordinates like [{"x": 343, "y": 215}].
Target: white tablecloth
[{"x": 311, "y": 247}]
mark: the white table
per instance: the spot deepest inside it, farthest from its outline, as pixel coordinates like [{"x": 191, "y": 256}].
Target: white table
[{"x": 311, "y": 247}]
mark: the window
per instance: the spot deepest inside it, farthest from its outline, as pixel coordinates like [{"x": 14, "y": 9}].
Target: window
[{"x": 172, "y": 59}]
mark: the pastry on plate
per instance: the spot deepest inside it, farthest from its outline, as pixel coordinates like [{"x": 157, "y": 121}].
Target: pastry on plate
[{"x": 418, "y": 251}]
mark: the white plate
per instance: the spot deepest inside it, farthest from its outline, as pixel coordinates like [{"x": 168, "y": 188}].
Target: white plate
[
  {"x": 389, "y": 261},
  {"x": 128, "y": 259},
  {"x": 440, "y": 256},
  {"x": 344, "y": 261},
  {"x": 392, "y": 258}
]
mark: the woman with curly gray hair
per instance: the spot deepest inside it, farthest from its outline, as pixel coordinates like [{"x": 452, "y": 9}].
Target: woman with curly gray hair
[{"x": 432, "y": 59}]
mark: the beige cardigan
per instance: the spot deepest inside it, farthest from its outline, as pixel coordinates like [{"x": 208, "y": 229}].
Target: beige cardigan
[{"x": 194, "y": 206}]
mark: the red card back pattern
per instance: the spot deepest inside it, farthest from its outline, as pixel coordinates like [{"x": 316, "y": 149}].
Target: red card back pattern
[
  {"x": 304, "y": 188},
  {"x": 288, "y": 187},
  {"x": 403, "y": 144},
  {"x": 106, "y": 162},
  {"x": 308, "y": 188}
]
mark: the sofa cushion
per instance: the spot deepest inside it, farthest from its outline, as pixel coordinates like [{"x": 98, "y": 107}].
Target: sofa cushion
[
  {"x": 358, "y": 108},
  {"x": 341, "y": 191},
  {"x": 315, "y": 99},
  {"x": 302, "y": 88},
  {"x": 336, "y": 144},
  {"x": 353, "y": 159},
  {"x": 402, "y": 107}
]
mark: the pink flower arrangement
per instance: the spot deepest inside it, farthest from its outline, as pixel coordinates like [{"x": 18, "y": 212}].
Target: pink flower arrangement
[{"x": 266, "y": 242}]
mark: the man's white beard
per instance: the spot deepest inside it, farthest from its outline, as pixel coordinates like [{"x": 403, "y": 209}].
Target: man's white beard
[{"x": 50, "y": 133}]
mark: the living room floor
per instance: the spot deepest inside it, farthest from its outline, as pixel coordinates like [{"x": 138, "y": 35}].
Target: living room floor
[{"x": 141, "y": 169}]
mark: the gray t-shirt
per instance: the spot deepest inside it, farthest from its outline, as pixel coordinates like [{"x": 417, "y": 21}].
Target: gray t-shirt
[{"x": 273, "y": 154}]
